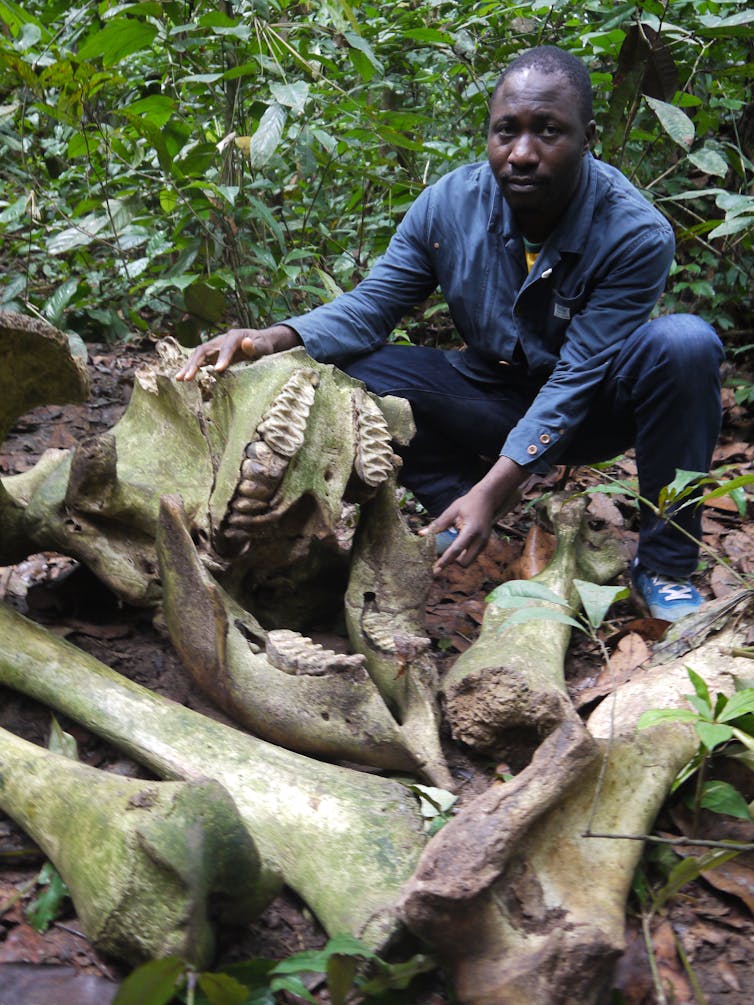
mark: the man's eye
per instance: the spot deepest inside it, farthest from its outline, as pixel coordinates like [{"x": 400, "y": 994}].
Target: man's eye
[{"x": 550, "y": 130}]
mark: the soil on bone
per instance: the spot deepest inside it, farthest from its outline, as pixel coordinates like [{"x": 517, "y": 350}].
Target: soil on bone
[{"x": 713, "y": 927}]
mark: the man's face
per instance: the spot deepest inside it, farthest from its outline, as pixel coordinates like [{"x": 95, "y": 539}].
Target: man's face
[{"x": 535, "y": 146}]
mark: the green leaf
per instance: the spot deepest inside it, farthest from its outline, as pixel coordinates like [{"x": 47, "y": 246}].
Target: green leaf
[
  {"x": 294, "y": 985},
  {"x": 46, "y": 907},
  {"x": 341, "y": 972},
  {"x": 709, "y": 161},
  {"x": 397, "y": 975},
  {"x": 712, "y": 734},
  {"x": 222, "y": 989},
  {"x": 675, "y": 122},
  {"x": 61, "y": 742},
  {"x": 701, "y": 689},
  {"x": 528, "y": 614},
  {"x": 53, "y": 309},
  {"x": 720, "y": 797},
  {"x": 154, "y": 983},
  {"x": 293, "y": 95},
  {"x": 598, "y": 599},
  {"x": 654, "y": 716},
  {"x": 121, "y": 37},
  {"x": 740, "y": 703},
  {"x": 508, "y": 594},
  {"x": 734, "y": 226},
  {"x": 269, "y": 132}
]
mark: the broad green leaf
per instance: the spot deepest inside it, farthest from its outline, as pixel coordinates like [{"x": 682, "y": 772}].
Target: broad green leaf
[
  {"x": 341, "y": 972},
  {"x": 727, "y": 488},
  {"x": 675, "y": 122},
  {"x": 359, "y": 43},
  {"x": 709, "y": 161},
  {"x": 157, "y": 108},
  {"x": 154, "y": 983},
  {"x": 528, "y": 614},
  {"x": 120, "y": 37},
  {"x": 524, "y": 588},
  {"x": 721, "y": 797},
  {"x": 653, "y": 716},
  {"x": 598, "y": 599},
  {"x": 712, "y": 734},
  {"x": 265, "y": 140},
  {"x": 430, "y": 35},
  {"x": 687, "y": 870},
  {"x": 293, "y": 95},
  {"x": 53, "y": 309},
  {"x": 222, "y": 989},
  {"x": 739, "y": 703},
  {"x": 46, "y": 907},
  {"x": 734, "y": 226},
  {"x": 734, "y": 204},
  {"x": 294, "y": 985}
]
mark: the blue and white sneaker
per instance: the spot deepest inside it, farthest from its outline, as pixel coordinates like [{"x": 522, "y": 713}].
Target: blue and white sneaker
[
  {"x": 444, "y": 539},
  {"x": 665, "y": 598}
]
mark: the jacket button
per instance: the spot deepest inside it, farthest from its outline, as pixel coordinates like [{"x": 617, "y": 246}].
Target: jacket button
[
  {"x": 532, "y": 449},
  {"x": 544, "y": 438},
  {"x": 436, "y": 244}
]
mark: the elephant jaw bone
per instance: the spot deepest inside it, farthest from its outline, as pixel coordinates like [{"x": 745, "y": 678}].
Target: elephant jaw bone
[
  {"x": 150, "y": 866},
  {"x": 296, "y": 694},
  {"x": 344, "y": 840},
  {"x": 387, "y": 591}
]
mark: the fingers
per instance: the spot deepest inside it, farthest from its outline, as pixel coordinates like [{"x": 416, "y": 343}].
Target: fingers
[
  {"x": 220, "y": 351},
  {"x": 463, "y": 550}
]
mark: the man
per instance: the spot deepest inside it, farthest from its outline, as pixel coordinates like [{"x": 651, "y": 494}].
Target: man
[{"x": 550, "y": 262}]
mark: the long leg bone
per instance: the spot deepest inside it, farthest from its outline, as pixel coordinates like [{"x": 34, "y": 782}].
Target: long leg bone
[
  {"x": 507, "y": 690},
  {"x": 150, "y": 865},
  {"x": 343, "y": 840},
  {"x": 528, "y": 907}
]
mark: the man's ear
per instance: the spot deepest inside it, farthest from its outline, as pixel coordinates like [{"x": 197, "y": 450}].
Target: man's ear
[{"x": 590, "y": 131}]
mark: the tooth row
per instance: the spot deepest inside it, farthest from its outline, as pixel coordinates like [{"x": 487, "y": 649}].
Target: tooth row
[
  {"x": 374, "y": 456},
  {"x": 296, "y": 654},
  {"x": 266, "y": 459},
  {"x": 284, "y": 422},
  {"x": 380, "y": 630}
]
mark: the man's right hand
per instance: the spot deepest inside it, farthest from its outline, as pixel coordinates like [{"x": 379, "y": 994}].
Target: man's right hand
[{"x": 236, "y": 345}]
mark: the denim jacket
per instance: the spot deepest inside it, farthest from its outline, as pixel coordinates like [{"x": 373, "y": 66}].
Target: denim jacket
[{"x": 595, "y": 280}]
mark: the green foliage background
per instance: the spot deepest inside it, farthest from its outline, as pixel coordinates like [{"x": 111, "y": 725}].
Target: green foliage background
[{"x": 183, "y": 166}]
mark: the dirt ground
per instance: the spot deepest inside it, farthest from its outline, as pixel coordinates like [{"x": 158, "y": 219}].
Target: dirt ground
[{"x": 702, "y": 940}]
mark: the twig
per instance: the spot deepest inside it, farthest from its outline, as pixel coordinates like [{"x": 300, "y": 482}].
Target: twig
[{"x": 696, "y": 842}]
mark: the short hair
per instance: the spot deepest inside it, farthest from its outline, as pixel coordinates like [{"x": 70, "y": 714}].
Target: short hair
[{"x": 551, "y": 59}]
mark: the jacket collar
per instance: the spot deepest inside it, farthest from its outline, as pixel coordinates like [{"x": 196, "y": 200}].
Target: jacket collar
[{"x": 574, "y": 227}]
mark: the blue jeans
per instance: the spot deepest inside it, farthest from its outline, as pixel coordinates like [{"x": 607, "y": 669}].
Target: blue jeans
[{"x": 661, "y": 395}]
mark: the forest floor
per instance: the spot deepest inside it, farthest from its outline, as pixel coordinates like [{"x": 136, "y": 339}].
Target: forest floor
[{"x": 702, "y": 939}]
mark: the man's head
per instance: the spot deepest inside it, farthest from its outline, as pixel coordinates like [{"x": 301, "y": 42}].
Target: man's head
[{"x": 541, "y": 127}]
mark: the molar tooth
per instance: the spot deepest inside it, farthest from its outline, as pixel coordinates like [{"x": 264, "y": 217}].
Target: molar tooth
[
  {"x": 254, "y": 490},
  {"x": 241, "y": 521},
  {"x": 373, "y": 462},
  {"x": 242, "y": 504},
  {"x": 284, "y": 423},
  {"x": 294, "y": 653}
]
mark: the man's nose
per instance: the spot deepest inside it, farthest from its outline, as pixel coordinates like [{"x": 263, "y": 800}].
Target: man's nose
[{"x": 523, "y": 150}]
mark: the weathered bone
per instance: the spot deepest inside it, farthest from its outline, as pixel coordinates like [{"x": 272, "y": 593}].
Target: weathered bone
[
  {"x": 345, "y": 841},
  {"x": 37, "y": 367},
  {"x": 335, "y": 712},
  {"x": 507, "y": 690},
  {"x": 150, "y": 866},
  {"x": 385, "y": 603},
  {"x": 521, "y": 903}
]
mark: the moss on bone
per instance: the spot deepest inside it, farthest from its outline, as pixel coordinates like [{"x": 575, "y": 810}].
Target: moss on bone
[{"x": 151, "y": 866}]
